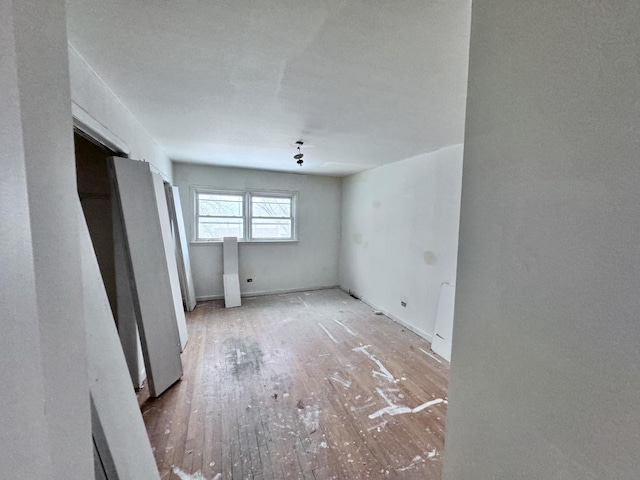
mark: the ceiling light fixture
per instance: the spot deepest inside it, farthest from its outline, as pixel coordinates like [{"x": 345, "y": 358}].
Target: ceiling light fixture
[{"x": 298, "y": 156}]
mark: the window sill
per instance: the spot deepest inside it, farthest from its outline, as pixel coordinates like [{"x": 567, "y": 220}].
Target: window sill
[{"x": 245, "y": 242}]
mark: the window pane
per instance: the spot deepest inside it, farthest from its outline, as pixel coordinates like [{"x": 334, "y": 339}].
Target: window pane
[
  {"x": 217, "y": 228},
  {"x": 270, "y": 207},
  {"x": 263, "y": 228},
  {"x": 214, "y": 204}
]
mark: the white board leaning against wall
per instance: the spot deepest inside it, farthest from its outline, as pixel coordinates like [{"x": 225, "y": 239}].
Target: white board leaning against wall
[
  {"x": 230, "y": 276},
  {"x": 169, "y": 251},
  {"x": 182, "y": 247},
  {"x": 137, "y": 211},
  {"x": 119, "y": 435},
  {"x": 443, "y": 332}
]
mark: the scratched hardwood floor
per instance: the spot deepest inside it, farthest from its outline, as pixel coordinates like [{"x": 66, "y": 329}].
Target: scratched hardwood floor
[{"x": 308, "y": 385}]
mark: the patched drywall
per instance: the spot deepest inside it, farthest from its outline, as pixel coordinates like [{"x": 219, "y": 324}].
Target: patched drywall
[
  {"x": 400, "y": 235},
  {"x": 310, "y": 262},
  {"x": 545, "y": 370}
]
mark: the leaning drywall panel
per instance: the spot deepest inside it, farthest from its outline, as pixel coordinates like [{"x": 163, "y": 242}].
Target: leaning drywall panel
[
  {"x": 37, "y": 144},
  {"x": 182, "y": 248},
  {"x": 441, "y": 343},
  {"x": 230, "y": 255},
  {"x": 149, "y": 275},
  {"x": 26, "y": 452},
  {"x": 231, "y": 279},
  {"x": 98, "y": 467},
  {"x": 127, "y": 323},
  {"x": 169, "y": 250},
  {"x": 121, "y": 439},
  {"x": 231, "y": 291}
]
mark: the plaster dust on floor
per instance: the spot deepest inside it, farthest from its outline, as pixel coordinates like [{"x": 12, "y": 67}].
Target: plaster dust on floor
[
  {"x": 310, "y": 416},
  {"x": 195, "y": 476}
]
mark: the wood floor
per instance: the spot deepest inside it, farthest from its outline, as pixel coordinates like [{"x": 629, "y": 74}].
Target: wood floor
[{"x": 307, "y": 385}]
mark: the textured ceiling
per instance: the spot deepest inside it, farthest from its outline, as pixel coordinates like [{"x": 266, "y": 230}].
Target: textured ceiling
[{"x": 237, "y": 82}]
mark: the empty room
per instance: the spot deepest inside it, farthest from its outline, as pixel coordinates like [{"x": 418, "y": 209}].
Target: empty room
[{"x": 319, "y": 240}]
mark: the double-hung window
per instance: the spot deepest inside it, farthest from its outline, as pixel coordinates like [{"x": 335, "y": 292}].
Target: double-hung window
[
  {"x": 250, "y": 216},
  {"x": 219, "y": 215},
  {"x": 271, "y": 217}
]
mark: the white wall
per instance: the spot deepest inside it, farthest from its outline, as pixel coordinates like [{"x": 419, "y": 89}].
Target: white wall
[
  {"x": 99, "y": 110},
  {"x": 45, "y": 426},
  {"x": 400, "y": 235},
  {"x": 24, "y": 443},
  {"x": 312, "y": 262},
  {"x": 545, "y": 378}
]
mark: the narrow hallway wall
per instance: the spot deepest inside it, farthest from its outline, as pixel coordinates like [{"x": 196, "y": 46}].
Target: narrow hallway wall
[
  {"x": 400, "y": 235},
  {"x": 545, "y": 368}
]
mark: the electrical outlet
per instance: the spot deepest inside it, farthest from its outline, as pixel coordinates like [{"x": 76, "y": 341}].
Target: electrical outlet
[
  {"x": 404, "y": 304},
  {"x": 249, "y": 280}
]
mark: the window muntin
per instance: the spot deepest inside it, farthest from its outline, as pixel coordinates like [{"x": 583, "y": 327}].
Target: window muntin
[{"x": 249, "y": 216}]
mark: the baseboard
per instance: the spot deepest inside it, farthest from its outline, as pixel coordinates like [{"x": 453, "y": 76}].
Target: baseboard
[
  {"x": 428, "y": 337},
  {"x": 421, "y": 333},
  {"x": 206, "y": 298}
]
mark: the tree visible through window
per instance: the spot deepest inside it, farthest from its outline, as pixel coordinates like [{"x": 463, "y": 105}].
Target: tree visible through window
[
  {"x": 271, "y": 217},
  {"x": 248, "y": 216},
  {"x": 219, "y": 216}
]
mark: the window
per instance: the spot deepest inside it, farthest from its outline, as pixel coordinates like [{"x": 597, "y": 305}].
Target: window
[
  {"x": 250, "y": 216},
  {"x": 218, "y": 216},
  {"x": 271, "y": 217}
]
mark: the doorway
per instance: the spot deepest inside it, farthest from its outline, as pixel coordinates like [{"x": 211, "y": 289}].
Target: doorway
[{"x": 95, "y": 197}]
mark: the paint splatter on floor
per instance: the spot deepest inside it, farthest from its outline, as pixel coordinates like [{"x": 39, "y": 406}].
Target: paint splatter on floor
[
  {"x": 430, "y": 355},
  {"x": 345, "y": 327},
  {"x": 413, "y": 463},
  {"x": 383, "y": 370},
  {"x": 345, "y": 383},
  {"x": 195, "y": 476},
  {"x": 333, "y": 339},
  {"x": 326, "y": 380},
  {"x": 393, "y": 409},
  {"x": 310, "y": 416}
]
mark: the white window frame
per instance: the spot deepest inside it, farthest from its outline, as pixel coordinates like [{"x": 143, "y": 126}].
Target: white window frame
[
  {"x": 196, "y": 211},
  {"x": 247, "y": 213},
  {"x": 292, "y": 196}
]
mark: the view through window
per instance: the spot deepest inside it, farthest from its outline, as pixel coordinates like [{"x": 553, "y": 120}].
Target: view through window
[{"x": 249, "y": 216}]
